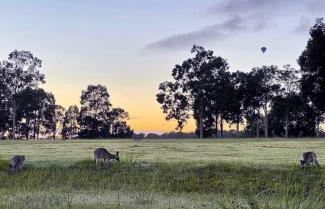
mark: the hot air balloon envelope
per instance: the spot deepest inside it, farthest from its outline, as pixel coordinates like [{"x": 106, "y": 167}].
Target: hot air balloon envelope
[{"x": 263, "y": 49}]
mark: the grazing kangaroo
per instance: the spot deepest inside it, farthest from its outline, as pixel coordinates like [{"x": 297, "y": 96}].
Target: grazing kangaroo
[
  {"x": 103, "y": 153},
  {"x": 16, "y": 163},
  {"x": 308, "y": 158}
]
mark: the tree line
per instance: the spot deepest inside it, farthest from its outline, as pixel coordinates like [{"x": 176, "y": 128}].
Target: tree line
[
  {"x": 270, "y": 101},
  {"x": 28, "y": 111}
]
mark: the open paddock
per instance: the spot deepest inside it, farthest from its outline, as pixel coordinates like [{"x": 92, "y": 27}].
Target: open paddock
[{"x": 183, "y": 173}]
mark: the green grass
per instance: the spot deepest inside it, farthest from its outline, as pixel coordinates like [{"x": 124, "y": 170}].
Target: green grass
[{"x": 164, "y": 174}]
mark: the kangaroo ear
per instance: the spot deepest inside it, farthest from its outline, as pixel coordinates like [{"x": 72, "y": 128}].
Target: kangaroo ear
[{"x": 117, "y": 152}]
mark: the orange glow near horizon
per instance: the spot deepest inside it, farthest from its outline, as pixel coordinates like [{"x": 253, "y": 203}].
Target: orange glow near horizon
[{"x": 145, "y": 113}]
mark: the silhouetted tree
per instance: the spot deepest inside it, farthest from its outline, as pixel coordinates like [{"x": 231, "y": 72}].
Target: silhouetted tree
[
  {"x": 152, "y": 136},
  {"x": 301, "y": 116},
  {"x": 95, "y": 106},
  {"x": 224, "y": 100},
  {"x": 70, "y": 123},
  {"x": 58, "y": 117},
  {"x": 174, "y": 103},
  {"x": 35, "y": 113},
  {"x": 118, "y": 127},
  {"x": 252, "y": 103},
  {"x": 138, "y": 136},
  {"x": 289, "y": 81},
  {"x": 177, "y": 135},
  {"x": 97, "y": 119},
  {"x": 4, "y": 110},
  {"x": 312, "y": 63},
  {"x": 237, "y": 108},
  {"x": 19, "y": 72},
  {"x": 261, "y": 89},
  {"x": 50, "y": 116},
  {"x": 192, "y": 89}
]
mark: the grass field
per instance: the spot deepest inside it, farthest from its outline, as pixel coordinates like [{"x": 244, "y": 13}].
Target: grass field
[{"x": 229, "y": 173}]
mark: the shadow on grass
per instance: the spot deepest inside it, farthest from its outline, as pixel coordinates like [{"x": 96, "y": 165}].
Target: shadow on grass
[
  {"x": 255, "y": 186},
  {"x": 171, "y": 177}
]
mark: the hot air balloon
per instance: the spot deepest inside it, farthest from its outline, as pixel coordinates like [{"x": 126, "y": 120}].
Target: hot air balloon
[{"x": 263, "y": 49}]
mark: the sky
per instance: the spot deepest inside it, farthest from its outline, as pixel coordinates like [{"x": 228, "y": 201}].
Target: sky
[{"x": 132, "y": 46}]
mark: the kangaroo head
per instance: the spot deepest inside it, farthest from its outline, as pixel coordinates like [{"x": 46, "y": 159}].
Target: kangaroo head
[
  {"x": 117, "y": 157},
  {"x": 10, "y": 171},
  {"x": 302, "y": 162}
]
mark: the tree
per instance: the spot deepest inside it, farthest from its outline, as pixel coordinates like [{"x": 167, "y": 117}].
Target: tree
[
  {"x": 19, "y": 72},
  {"x": 192, "y": 88},
  {"x": 289, "y": 82},
  {"x": 237, "y": 107},
  {"x": 118, "y": 127},
  {"x": 312, "y": 63},
  {"x": 70, "y": 123},
  {"x": 260, "y": 91},
  {"x": 35, "y": 113},
  {"x": 98, "y": 119},
  {"x": 252, "y": 103},
  {"x": 152, "y": 136},
  {"x": 174, "y": 103},
  {"x": 50, "y": 116},
  {"x": 224, "y": 100},
  {"x": 95, "y": 106},
  {"x": 301, "y": 116},
  {"x": 4, "y": 110},
  {"x": 57, "y": 119}
]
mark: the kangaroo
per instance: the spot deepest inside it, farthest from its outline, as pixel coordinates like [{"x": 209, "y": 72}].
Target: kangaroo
[
  {"x": 308, "y": 158},
  {"x": 16, "y": 163},
  {"x": 103, "y": 153}
]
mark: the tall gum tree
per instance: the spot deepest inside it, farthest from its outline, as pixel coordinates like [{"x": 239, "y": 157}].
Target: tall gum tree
[
  {"x": 19, "y": 72},
  {"x": 312, "y": 64},
  {"x": 261, "y": 88},
  {"x": 192, "y": 88},
  {"x": 288, "y": 78}
]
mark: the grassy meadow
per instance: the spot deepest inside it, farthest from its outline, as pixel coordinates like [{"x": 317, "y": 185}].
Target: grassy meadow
[{"x": 230, "y": 173}]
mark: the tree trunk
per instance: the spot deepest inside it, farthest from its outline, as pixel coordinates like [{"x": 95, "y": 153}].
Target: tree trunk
[
  {"x": 257, "y": 130},
  {"x": 317, "y": 127},
  {"x": 38, "y": 130},
  {"x": 286, "y": 125},
  {"x": 237, "y": 128},
  {"x": 34, "y": 134},
  {"x": 221, "y": 127},
  {"x": 266, "y": 124},
  {"x": 54, "y": 127},
  {"x": 201, "y": 123},
  {"x": 287, "y": 119},
  {"x": 14, "y": 109},
  {"x": 216, "y": 126},
  {"x": 27, "y": 129}
]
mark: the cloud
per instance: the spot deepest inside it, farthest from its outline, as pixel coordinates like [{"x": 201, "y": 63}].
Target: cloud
[
  {"x": 316, "y": 6},
  {"x": 241, "y": 7},
  {"x": 185, "y": 39},
  {"x": 213, "y": 32},
  {"x": 243, "y": 16},
  {"x": 273, "y": 10},
  {"x": 303, "y": 25}
]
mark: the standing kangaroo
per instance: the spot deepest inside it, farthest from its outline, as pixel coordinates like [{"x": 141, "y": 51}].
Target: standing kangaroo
[
  {"x": 16, "y": 163},
  {"x": 103, "y": 153},
  {"x": 308, "y": 158}
]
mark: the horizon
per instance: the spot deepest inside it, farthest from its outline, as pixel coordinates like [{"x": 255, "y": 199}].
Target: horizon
[{"x": 132, "y": 47}]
